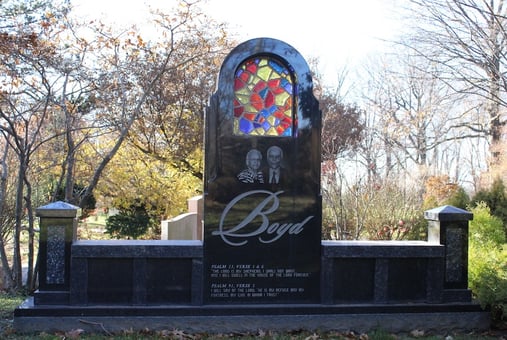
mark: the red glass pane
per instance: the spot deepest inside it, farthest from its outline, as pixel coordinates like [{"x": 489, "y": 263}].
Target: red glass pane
[
  {"x": 287, "y": 105},
  {"x": 238, "y": 84},
  {"x": 274, "y": 83},
  {"x": 286, "y": 122},
  {"x": 244, "y": 76},
  {"x": 259, "y": 86},
  {"x": 250, "y": 116},
  {"x": 251, "y": 67},
  {"x": 238, "y": 111},
  {"x": 270, "y": 99},
  {"x": 279, "y": 115},
  {"x": 256, "y": 101},
  {"x": 278, "y": 90}
]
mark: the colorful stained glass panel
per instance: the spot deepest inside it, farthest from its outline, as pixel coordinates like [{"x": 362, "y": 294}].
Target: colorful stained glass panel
[{"x": 263, "y": 91}]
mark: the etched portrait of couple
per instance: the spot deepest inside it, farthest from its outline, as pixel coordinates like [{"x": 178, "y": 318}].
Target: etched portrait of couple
[{"x": 272, "y": 173}]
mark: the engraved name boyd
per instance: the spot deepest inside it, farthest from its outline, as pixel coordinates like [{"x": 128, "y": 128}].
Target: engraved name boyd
[{"x": 267, "y": 232}]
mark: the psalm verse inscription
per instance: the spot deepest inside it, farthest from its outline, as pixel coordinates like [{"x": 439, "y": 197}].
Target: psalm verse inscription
[{"x": 251, "y": 290}]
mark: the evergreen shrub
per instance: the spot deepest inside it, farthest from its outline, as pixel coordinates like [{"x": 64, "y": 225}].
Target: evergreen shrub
[{"x": 487, "y": 265}]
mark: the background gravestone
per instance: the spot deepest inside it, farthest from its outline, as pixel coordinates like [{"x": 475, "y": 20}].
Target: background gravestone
[{"x": 262, "y": 211}]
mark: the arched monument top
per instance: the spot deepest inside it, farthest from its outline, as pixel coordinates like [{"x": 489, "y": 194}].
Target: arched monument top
[
  {"x": 266, "y": 46},
  {"x": 308, "y": 113}
]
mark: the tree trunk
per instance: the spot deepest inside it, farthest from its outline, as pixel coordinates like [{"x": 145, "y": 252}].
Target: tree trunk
[
  {"x": 7, "y": 277},
  {"x": 71, "y": 151},
  {"x": 6, "y": 272},
  {"x": 18, "y": 225},
  {"x": 31, "y": 236}
]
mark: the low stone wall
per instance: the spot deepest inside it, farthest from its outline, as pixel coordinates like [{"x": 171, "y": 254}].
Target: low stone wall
[
  {"x": 136, "y": 272},
  {"x": 395, "y": 285},
  {"x": 170, "y": 272}
]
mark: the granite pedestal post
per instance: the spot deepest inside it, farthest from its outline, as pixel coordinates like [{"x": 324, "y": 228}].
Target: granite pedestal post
[
  {"x": 448, "y": 225},
  {"x": 57, "y": 232}
]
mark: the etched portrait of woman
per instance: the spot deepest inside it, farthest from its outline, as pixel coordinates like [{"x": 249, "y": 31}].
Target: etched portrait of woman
[{"x": 252, "y": 173}]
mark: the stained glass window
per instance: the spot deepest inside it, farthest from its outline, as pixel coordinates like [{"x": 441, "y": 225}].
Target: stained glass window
[{"x": 263, "y": 98}]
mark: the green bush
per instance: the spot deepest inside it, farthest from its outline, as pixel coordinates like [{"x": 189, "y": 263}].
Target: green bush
[
  {"x": 458, "y": 199},
  {"x": 129, "y": 223},
  {"x": 487, "y": 265},
  {"x": 496, "y": 199},
  {"x": 486, "y": 230}
]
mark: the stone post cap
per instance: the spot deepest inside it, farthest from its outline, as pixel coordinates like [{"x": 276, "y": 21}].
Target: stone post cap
[
  {"x": 57, "y": 209},
  {"x": 448, "y": 213}
]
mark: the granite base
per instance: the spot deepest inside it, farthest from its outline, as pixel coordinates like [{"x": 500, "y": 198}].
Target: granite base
[{"x": 252, "y": 318}]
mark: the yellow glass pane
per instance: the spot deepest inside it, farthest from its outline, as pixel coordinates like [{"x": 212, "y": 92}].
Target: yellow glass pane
[
  {"x": 274, "y": 75},
  {"x": 243, "y": 99},
  {"x": 264, "y": 72},
  {"x": 281, "y": 98},
  {"x": 243, "y": 91},
  {"x": 249, "y": 108},
  {"x": 272, "y": 132}
]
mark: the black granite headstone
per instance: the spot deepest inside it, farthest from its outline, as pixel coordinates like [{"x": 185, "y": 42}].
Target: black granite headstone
[{"x": 262, "y": 217}]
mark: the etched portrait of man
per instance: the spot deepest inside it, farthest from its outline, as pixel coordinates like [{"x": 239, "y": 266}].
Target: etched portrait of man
[{"x": 274, "y": 172}]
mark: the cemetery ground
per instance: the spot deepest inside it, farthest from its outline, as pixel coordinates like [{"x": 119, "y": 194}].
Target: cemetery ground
[{"x": 9, "y": 302}]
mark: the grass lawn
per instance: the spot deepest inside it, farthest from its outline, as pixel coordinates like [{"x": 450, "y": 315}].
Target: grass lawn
[{"x": 7, "y": 305}]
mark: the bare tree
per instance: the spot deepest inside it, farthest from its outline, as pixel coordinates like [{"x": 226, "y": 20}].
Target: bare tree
[
  {"x": 171, "y": 124},
  {"x": 416, "y": 117},
  {"x": 65, "y": 99},
  {"x": 25, "y": 107},
  {"x": 150, "y": 87},
  {"x": 467, "y": 38}
]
